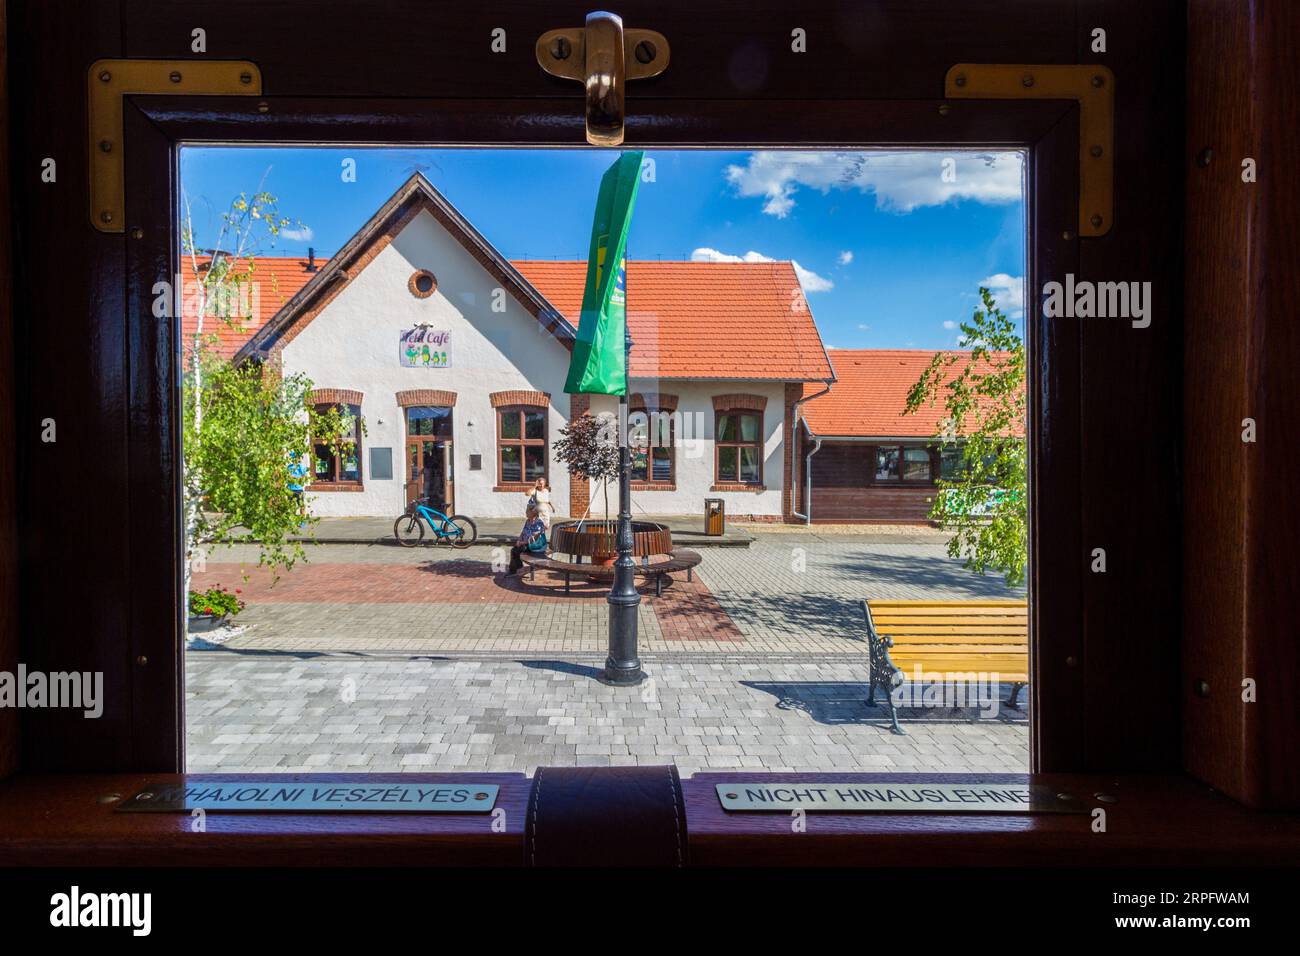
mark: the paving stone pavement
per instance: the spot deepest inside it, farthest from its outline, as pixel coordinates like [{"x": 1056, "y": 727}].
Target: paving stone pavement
[
  {"x": 251, "y": 712},
  {"x": 787, "y": 593}
]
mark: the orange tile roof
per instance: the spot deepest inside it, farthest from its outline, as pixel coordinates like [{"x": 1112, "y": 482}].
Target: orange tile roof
[
  {"x": 870, "y": 393},
  {"x": 689, "y": 319},
  {"x": 275, "y": 281},
  {"x": 703, "y": 319}
]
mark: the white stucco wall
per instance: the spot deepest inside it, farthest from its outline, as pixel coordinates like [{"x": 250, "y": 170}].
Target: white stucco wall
[
  {"x": 695, "y": 450},
  {"x": 353, "y": 344}
]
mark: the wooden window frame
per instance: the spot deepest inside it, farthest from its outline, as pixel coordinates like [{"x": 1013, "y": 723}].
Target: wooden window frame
[
  {"x": 336, "y": 483},
  {"x": 760, "y": 443},
  {"x": 1068, "y": 413},
  {"x": 522, "y": 443},
  {"x": 650, "y": 483}
]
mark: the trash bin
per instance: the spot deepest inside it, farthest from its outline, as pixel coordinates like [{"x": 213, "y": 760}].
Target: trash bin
[{"x": 715, "y": 516}]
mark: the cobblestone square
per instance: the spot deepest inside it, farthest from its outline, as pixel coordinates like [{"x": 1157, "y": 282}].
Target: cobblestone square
[{"x": 377, "y": 658}]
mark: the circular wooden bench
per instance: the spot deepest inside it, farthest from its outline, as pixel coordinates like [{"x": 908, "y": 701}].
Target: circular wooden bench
[{"x": 679, "y": 559}]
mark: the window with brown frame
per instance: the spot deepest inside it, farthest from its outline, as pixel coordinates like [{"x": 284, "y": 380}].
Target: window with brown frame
[
  {"x": 907, "y": 463},
  {"x": 335, "y": 470},
  {"x": 739, "y": 448},
  {"x": 521, "y": 444},
  {"x": 650, "y": 435}
]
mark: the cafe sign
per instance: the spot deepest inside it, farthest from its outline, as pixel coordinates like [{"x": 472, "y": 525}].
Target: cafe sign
[
  {"x": 425, "y": 348},
  {"x": 328, "y": 796},
  {"x": 858, "y": 797}
]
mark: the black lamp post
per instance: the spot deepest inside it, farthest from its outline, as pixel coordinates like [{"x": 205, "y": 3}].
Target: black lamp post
[{"x": 623, "y": 666}]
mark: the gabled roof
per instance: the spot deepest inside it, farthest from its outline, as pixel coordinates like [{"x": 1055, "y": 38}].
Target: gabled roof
[
  {"x": 704, "y": 320},
  {"x": 870, "y": 393},
  {"x": 417, "y": 194},
  {"x": 277, "y": 279}
]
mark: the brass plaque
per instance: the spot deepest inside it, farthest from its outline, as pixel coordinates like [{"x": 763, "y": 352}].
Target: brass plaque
[
  {"x": 858, "y": 797},
  {"x": 241, "y": 796}
]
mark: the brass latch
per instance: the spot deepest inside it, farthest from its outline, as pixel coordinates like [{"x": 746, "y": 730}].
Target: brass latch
[
  {"x": 603, "y": 57},
  {"x": 108, "y": 81},
  {"x": 1094, "y": 89}
]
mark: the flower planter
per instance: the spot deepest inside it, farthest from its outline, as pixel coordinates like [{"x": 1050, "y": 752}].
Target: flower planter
[{"x": 202, "y": 623}]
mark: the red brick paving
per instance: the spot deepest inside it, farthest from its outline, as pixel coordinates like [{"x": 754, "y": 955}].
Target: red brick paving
[{"x": 687, "y": 610}]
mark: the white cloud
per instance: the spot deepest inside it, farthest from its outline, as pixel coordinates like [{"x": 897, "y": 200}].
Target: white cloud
[
  {"x": 298, "y": 235},
  {"x": 901, "y": 180},
  {"x": 950, "y": 324},
  {"x": 810, "y": 280},
  {"x": 846, "y": 257},
  {"x": 1009, "y": 293}
]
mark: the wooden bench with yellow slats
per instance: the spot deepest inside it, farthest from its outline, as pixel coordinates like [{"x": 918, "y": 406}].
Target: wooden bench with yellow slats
[{"x": 946, "y": 638}]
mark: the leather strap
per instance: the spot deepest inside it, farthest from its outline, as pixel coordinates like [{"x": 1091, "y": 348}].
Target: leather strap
[{"x": 606, "y": 816}]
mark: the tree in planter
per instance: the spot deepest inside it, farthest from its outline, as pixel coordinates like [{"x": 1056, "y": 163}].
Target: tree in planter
[
  {"x": 983, "y": 394},
  {"x": 585, "y": 447}
]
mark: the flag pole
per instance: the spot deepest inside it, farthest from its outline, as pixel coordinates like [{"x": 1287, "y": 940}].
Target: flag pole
[{"x": 623, "y": 665}]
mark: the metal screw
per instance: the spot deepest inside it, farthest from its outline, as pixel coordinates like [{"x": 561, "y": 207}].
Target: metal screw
[
  {"x": 105, "y": 216},
  {"x": 1068, "y": 236},
  {"x": 959, "y": 79},
  {"x": 561, "y": 48},
  {"x": 174, "y": 76},
  {"x": 1096, "y": 221},
  {"x": 105, "y": 146},
  {"x": 1095, "y": 150},
  {"x": 264, "y": 107},
  {"x": 1071, "y": 661},
  {"x": 105, "y": 76},
  {"x": 731, "y": 796},
  {"x": 945, "y": 109},
  {"x": 1065, "y": 796},
  {"x": 137, "y": 233},
  {"x": 1205, "y": 157},
  {"x": 1105, "y": 798},
  {"x": 110, "y": 798},
  {"x": 1098, "y": 80},
  {"x": 480, "y": 796},
  {"x": 245, "y": 78},
  {"x": 142, "y": 660},
  {"x": 646, "y": 52},
  {"x": 1202, "y": 688},
  {"x": 144, "y": 795},
  {"x": 1027, "y": 80}
]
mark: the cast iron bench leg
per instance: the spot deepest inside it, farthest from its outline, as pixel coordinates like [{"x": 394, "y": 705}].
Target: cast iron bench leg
[
  {"x": 1015, "y": 693},
  {"x": 566, "y": 582},
  {"x": 659, "y": 585},
  {"x": 532, "y": 572},
  {"x": 689, "y": 573}
]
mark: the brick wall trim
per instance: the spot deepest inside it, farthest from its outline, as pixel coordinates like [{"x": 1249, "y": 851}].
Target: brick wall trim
[
  {"x": 750, "y": 403},
  {"x": 579, "y": 487},
  {"x": 519, "y": 396},
  {"x": 439, "y": 397},
  {"x": 654, "y": 401},
  {"x": 335, "y": 396}
]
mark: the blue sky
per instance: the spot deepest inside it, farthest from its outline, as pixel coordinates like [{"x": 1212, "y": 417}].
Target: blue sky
[{"x": 891, "y": 246}]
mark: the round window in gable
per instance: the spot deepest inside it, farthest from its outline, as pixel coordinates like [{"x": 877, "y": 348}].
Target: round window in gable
[{"x": 423, "y": 284}]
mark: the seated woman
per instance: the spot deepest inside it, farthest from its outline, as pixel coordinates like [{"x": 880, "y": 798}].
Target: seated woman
[{"x": 531, "y": 538}]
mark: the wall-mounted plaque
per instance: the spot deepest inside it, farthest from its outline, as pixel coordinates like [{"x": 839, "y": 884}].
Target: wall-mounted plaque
[
  {"x": 307, "y": 796},
  {"x": 425, "y": 348},
  {"x": 475, "y": 462},
  {"x": 912, "y": 797},
  {"x": 381, "y": 464}
]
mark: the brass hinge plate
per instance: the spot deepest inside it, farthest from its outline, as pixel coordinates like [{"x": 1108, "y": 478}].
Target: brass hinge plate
[
  {"x": 107, "y": 81},
  {"x": 1094, "y": 89},
  {"x": 603, "y": 56}
]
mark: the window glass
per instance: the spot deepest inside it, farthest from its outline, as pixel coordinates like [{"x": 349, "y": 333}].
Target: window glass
[
  {"x": 534, "y": 425},
  {"x": 950, "y": 466},
  {"x": 510, "y": 467},
  {"x": 727, "y": 428},
  {"x": 748, "y": 463},
  {"x": 749, "y": 428},
  {"x": 916, "y": 464},
  {"x": 887, "y": 463},
  {"x": 509, "y": 425},
  {"x": 727, "y": 458},
  {"x": 534, "y": 462}
]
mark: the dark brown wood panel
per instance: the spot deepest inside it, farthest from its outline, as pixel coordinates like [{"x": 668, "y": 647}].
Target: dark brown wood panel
[
  {"x": 884, "y": 504},
  {"x": 1241, "y": 354},
  {"x": 8, "y": 481}
]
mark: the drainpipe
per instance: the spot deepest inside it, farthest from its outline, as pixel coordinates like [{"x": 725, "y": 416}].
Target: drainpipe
[{"x": 817, "y": 444}]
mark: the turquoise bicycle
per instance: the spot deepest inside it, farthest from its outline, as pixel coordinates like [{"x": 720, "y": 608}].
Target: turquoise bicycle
[{"x": 408, "y": 529}]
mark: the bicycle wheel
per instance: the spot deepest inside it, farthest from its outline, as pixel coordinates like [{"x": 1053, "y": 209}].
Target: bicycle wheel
[
  {"x": 408, "y": 530},
  {"x": 465, "y": 533}
]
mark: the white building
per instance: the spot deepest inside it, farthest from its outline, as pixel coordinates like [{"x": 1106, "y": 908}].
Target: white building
[{"x": 455, "y": 359}]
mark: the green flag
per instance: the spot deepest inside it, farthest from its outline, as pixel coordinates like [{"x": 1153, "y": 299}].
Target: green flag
[{"x": 599, "y": 364}]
